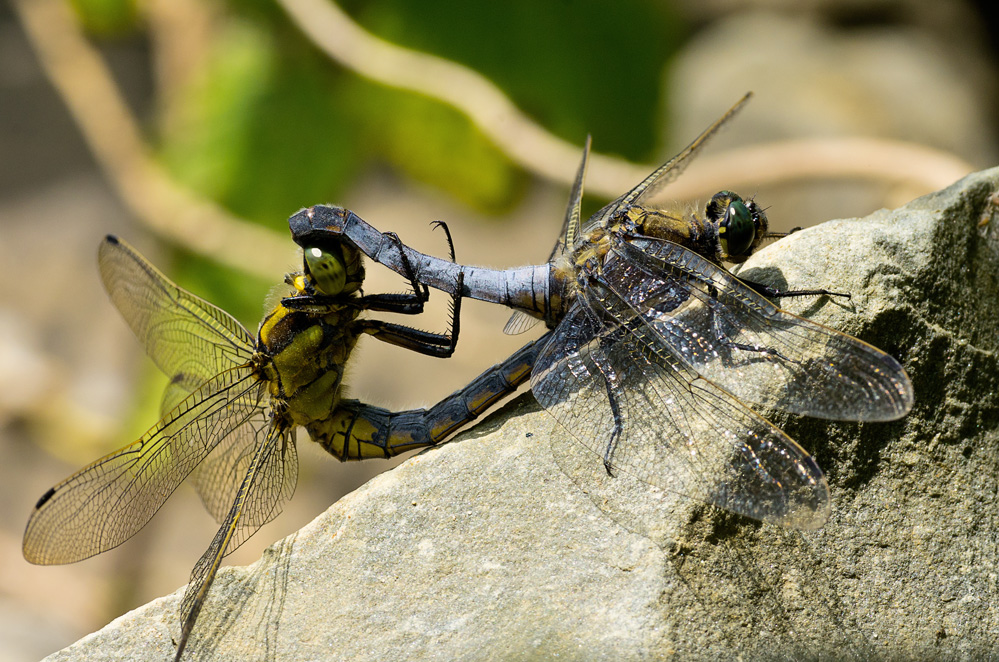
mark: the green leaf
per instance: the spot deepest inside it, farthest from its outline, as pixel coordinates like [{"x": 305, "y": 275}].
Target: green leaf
[
  {"x": 107, "y": 18},
  {"x": 435, "y": 144},
  {"x": 261, "y": 130}
]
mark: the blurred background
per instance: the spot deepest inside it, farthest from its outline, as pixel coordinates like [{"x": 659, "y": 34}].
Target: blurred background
[{"x": 194, "y": 128}]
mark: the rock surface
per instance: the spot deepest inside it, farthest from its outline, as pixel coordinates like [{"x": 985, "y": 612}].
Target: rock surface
[{"x": 484, "y": 549}]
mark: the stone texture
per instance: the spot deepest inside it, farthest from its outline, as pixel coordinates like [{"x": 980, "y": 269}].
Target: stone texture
[{"x": 484, "y": 549}]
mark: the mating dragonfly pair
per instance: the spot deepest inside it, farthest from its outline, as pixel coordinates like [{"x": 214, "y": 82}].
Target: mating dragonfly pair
[{"x": 653, "y": 350}]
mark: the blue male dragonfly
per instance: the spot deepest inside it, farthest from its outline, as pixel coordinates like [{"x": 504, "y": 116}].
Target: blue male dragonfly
[{"x": 656, "y": 350}]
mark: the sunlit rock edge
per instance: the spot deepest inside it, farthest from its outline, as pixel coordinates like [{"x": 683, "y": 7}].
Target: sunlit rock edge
[{"x": 484, "y": 549}]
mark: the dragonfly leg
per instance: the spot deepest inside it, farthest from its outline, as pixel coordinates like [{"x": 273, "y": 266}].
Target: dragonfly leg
[
  {"x": 406, "y": 304},
  {"x": 447, "y": 233},
  {"x": 424, "y": 342},
  {"x": 616, "y": 435},
  {"x": 606, "y": 373},
  {"x": 723, "y": 338},
  {"x": 356, "y": 431},
  {"x": 440, "y": 345},
  {"x": 403, "y": 304},
  {"x": 773, "y": 293}
]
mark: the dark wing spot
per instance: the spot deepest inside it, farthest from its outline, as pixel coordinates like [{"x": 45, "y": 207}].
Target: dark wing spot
[{"x": 45, "y": 497}]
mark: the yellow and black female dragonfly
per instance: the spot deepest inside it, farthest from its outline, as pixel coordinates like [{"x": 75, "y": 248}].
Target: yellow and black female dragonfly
[
  {"x": 656, "y": 349},
  {"x": 233, "y": 403}
]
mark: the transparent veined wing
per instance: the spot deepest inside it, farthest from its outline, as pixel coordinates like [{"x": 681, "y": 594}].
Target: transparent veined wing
[
  {"x": 215, "y": 479},
  {"x": 570, "y": 233},
  {"x": 187, "y": 337},
  {"x": 191, "y": 341},
  {"x": 269, "y": 480},
  {"x": 218, "y": 478},
  {"x": 736, "y": 338},
  {"x": 666, "y": 173},
  {"x": 630, "y": 402},
  {"x": 105, "y": 503}
]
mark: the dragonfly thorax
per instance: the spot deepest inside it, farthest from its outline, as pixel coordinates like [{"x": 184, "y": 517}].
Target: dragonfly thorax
[
  {"x": 301, "y": 357},
  {"x": 730, "y": 230},
  {"x": 680, "y": 227},
  {"x": 303, "y": 344},
  {"x": 592, "y": 250}
]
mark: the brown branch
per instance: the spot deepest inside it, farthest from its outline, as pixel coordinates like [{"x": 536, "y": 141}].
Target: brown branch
[
  {"x": 918, "y": 168},
  {"x": 111, "y": 131}
]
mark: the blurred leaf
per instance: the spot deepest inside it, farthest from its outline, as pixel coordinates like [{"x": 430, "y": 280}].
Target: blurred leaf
[
  {"x": 261, "y": 130},
  {"x": 271, "y": 125},
  {"x": 435, "y": 144},
  {"x": 577, "y": 67},
  {"x": 106, "y": 17},
  {"x": 206, "y": 134}
]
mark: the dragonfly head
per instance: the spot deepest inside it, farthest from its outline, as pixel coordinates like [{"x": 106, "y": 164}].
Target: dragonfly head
[
  {"x": 334, "y": 269},
  {"x": 741, "y": 224}
]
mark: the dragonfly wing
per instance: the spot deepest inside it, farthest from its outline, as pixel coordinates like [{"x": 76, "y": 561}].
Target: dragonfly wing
[
  {"x": 214, "y": 478},
  {"x": 217, "y": 478},
  {"x": 187, "y": 337},
  {"x": 191, "y": 340},
  {"x": 269, "y": 479},
  {"x": 570, "y": 233},
  {"x": 571, "y": 225},
  {"x": 107, "y": 502},
  {"x": 666, "y": 173},
  {"x": 177, "y": 390},
  {"x": 679, "y": 432},
  {"x": 736, "y": 338},
  {"x": 520, "y": 322}
]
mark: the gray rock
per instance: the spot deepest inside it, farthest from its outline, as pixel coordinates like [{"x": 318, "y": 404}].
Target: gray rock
[{"x": 484, "y": 549}]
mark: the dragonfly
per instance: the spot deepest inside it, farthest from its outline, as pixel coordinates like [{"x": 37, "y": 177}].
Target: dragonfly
[
  {"x": 656, "y": 351},
  {"x": 233, "y": 404}
]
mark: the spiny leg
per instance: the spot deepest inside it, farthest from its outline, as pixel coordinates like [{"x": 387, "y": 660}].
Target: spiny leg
[
  {"x": 607, "y": 375},
  {"x": 773, "y": 293},
  {"x": 723, "y": 338},
  {"x": 618, "y": 428},
  {"x": 450, "y": 243},
  {"x": 405, "y": 304},
  {"x": 424, "y": 342},
  {"x": 460, "y": 286}
]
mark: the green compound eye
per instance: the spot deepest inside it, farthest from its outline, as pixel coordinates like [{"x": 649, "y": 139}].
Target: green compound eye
[
  {"x": 327, "y": 270},
  {"x": 737, "y": 230}
]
